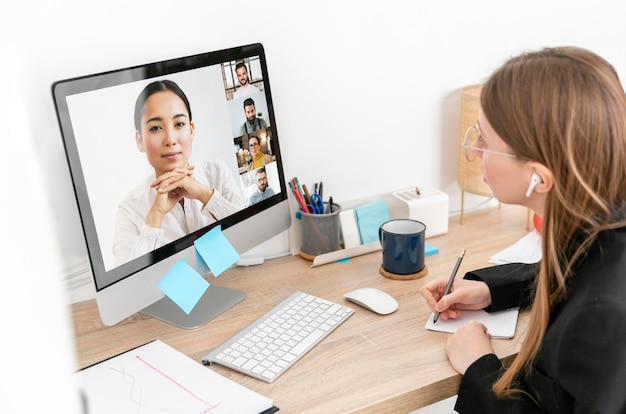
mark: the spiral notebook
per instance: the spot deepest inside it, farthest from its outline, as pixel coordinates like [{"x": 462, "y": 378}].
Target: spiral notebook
[{"x": 499, "y": 324}]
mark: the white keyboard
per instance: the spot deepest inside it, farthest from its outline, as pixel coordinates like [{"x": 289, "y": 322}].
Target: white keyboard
[{"x": 271, "y": 344}]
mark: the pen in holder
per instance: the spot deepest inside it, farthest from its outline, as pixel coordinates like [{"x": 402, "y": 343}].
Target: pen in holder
[{"x": 321, "y": 233}]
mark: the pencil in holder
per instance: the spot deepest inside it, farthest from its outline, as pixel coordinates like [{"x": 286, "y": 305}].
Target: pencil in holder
[{"x": 321, "y": 233}]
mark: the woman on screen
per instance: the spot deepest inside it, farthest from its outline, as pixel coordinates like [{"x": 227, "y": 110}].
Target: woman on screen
[
  {"x": 180, "y": 197},
  {"x": 551, "y": 137},
  {"x": 259, "y": 159}
]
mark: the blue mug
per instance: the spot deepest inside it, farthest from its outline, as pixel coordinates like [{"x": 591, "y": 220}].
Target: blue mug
[{"x": 402, "y": 242}]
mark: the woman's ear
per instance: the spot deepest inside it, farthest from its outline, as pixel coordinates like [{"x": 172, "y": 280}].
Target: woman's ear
[
  {"x": 541, "y": 179},
  {"x": 535, "y": 180},
  {"x": 139, "y": 142}
]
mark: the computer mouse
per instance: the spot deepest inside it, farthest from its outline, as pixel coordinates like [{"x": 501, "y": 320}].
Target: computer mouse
[{"x": 373, "y": 299}]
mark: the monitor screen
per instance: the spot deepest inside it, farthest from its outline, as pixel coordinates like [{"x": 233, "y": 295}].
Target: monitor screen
[{"x": 161, "y": 153}]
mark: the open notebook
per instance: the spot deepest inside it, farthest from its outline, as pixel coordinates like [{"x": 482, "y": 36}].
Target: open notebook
[
  {"x": 499, "y": 324},
  {"x": 156, "y": 378}
]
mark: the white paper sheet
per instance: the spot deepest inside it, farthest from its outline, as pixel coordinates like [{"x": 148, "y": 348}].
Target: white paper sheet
[
  {"x": 525, "y": 250},
  {"x": 500, "y": 324},
  {"x": 156, "y": 378}
]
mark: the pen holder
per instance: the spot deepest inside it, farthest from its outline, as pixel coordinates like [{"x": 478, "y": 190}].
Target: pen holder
[{"x": 321, "y": 233}]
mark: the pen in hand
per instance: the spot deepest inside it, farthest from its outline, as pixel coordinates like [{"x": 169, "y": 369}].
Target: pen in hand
[{"x": 451, "y": 280}]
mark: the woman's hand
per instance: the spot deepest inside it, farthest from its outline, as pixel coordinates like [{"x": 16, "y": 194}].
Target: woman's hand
[
  {"x": 171, "y": 188},
  {"x": 469, "y": 343},
  {"x": 464, "y": 295},
  {"x": 180, "y": 182},
  {"x": 163, "y": 203},
  {"x": 170, "y": 180}
]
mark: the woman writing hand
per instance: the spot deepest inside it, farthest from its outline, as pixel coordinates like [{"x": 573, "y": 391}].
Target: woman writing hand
[
  {"x": 471, "y": 341},
  {"x": 464, "y": 295}
]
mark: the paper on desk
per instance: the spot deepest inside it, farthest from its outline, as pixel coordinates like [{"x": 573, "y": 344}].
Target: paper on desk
[
  {"x": 525, "y": 250},
  {"x": 156, "y": 378},
  {"x": 499, "y": 324}
]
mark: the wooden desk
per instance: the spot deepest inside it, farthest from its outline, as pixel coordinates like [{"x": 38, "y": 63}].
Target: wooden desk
[{"x": 371, "y": 363}]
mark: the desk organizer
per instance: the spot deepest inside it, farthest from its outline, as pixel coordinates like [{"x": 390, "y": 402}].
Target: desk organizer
[
  {"x": 321, "y": 233},
  {"x": 430, "y": 207}
]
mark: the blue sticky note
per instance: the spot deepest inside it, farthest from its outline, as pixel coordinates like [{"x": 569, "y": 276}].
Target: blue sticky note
[
  {"x": 216, "y": 250},
  {"x": 430, "y": 249},
  {"x": 369, "y": 218},
  {"x": 183, "y": 285}
]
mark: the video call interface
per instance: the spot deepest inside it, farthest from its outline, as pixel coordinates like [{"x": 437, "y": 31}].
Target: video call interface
[{"x": 231, "y": 123}]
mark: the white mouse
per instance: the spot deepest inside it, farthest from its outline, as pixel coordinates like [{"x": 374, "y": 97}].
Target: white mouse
[{"x": 373, "y": 299}]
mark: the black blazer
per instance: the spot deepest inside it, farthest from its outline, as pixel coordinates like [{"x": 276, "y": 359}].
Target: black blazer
[{"x": 581, "y": 366}]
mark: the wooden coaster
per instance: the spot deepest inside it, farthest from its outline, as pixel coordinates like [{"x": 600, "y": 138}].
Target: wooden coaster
[{"x": 410, "y": 276}]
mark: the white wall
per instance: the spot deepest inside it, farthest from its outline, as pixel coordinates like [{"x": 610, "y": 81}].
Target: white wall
[
  {"x": 366, "y": 93},
  {"x": 37, "y": 350}
]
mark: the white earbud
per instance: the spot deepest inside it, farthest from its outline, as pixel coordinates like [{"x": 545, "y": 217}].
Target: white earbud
[{"x": 534, "y": 180}]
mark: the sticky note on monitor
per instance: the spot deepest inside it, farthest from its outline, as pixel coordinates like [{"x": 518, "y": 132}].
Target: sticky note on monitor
[
  {"x": 369, "y": 218},
  {"x": 183, "y": 285},
  {"x": 216, "y": 250}
]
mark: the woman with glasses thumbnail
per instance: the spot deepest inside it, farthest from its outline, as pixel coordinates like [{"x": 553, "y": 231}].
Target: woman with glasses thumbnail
[
  {"x": 180, "y": 197},
  {"x": 551, "y": 136},
  {"x": 259, "y": 159}
]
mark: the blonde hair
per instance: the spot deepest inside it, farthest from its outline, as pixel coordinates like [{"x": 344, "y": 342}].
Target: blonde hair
[{"x": 564, "y": 108}]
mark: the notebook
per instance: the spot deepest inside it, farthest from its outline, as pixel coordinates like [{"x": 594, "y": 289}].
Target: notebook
[
  {"x": 156, "y": 378},
  {"x": 499, "y": 324}
]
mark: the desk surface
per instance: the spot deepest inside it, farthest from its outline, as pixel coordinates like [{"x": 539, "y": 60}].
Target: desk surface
[{"x": 371, "y": 363}]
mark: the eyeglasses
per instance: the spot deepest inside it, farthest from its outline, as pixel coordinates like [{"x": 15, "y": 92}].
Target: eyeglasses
[
  {"x": 473, "y": 143},
  {"x": 253, "y": 144}
]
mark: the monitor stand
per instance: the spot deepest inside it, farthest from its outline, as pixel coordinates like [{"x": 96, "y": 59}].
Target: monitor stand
[{"x": 214, "y": 301}]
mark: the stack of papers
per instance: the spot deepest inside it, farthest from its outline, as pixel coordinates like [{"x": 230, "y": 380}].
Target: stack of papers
[
  {"x": 156, "y": 378},
  {"x": 525, "y": 250}
]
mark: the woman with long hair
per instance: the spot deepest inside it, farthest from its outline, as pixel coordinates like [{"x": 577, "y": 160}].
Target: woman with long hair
[{"x": 551, "y": 137}]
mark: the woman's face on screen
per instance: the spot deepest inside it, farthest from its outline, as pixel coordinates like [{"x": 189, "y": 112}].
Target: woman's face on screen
[
  {"x": 253, "y": 143},
  {"x": 166, "y": 132}
]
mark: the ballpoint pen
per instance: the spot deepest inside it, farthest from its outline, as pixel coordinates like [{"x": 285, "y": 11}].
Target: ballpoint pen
[{"x": 451, "y": 280}]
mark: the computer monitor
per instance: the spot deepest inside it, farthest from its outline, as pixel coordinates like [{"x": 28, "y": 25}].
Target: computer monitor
[{"x": 146, "y": 147}]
